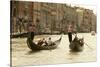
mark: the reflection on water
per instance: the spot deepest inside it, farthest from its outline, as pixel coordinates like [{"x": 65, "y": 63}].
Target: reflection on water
[
  {"x": 22, "y": 55},
  {"x": 32, "y": 52}
]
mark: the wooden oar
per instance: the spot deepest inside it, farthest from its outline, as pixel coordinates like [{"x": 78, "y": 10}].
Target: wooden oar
[{"x": 88, "y": 46}]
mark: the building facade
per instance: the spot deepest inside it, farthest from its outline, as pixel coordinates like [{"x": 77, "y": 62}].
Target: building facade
[
  {"x": 86, "y": 20},
  {"x": 50, "y": 17},
  {"x": 21, "y": 13}
]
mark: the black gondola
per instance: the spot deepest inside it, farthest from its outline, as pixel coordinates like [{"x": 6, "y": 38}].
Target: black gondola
[
  {"x": 77, "y": 44},
  {"x": 33, "y": 46}
]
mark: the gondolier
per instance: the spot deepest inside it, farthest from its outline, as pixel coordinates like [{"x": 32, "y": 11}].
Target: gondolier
[
  {"x": 70, "y": 31},
  {"x": 31, "y": 30}
]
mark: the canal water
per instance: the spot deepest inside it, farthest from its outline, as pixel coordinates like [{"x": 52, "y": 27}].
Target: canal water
[{"x": 21, "y": 55}]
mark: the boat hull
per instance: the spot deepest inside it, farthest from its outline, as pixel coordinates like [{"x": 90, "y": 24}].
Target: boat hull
[
  {"x": 76, "y": 46},
  {"x": 34, "y": 46}
]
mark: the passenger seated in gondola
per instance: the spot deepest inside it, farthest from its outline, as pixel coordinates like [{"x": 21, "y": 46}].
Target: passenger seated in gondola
[
  {"x": 42, "y": 42},
  {"x": 49, "y": 42},
  {"x": 79, "y": 41}
]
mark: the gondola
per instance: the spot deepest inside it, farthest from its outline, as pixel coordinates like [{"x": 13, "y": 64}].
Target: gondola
[
  {"x": 77, "y": 44},
  {"x": 33, "y": 46}
]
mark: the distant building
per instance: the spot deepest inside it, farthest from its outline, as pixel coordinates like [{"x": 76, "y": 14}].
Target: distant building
[
  {"x": 79, "y": 19},
  {"x": 21, "y": 13},
  {"x": 50, "y": 17},
  {"x": 94, "y": 23},
  {"x": 86, "y": 20}
]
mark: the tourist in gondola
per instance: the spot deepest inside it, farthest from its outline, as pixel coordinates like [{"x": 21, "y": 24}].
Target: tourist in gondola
[
  {"x": 44, "y": 42},
  {"x": 49, "y": 41},
  {"x": 32, "y": 30},
  {"x": 40, "y": 42}
]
